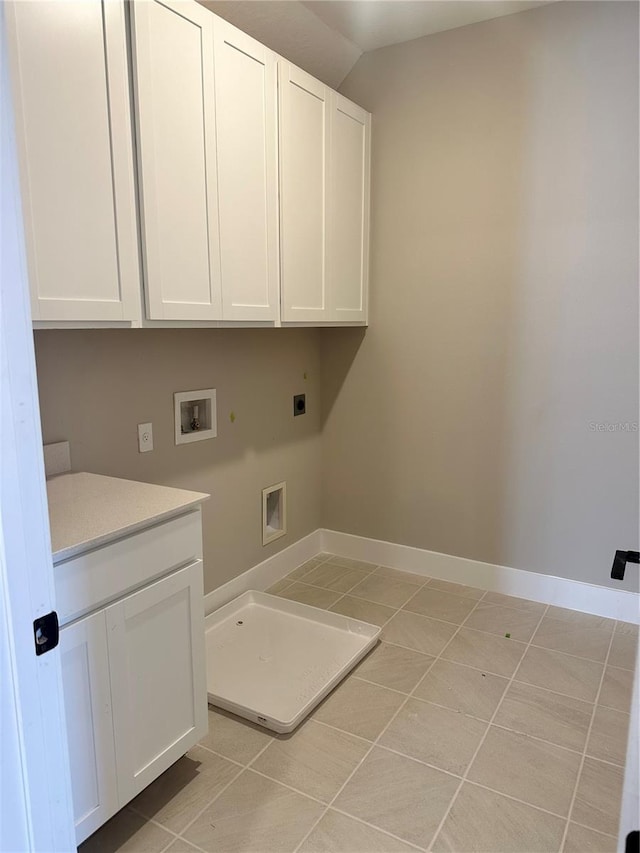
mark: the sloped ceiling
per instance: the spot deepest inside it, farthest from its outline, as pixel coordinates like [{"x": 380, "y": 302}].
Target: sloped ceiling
[
  {"x": 376, "y": 23},
  {"x": 327, "y": 37},
  {"x": 295, "y": 32}
]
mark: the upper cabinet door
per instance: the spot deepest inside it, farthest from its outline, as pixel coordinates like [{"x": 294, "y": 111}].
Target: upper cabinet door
[
  {"x": 247, "y": 146},
  {"x": 349, "y": 211},
  {"x": 73, "y": 124},
  {"x": 175, "y": 111},
  {"x": 304, "y": 152}
]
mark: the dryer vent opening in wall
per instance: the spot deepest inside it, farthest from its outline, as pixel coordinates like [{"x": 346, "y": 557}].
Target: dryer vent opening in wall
[{"x": 274, "y": 512}]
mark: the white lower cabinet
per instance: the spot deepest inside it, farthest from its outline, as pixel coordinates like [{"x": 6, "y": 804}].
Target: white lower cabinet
[
  {"x": 156, "y": 660},
  {"x": 87, "y": 699},
  {"x": 135, "y": 692}
]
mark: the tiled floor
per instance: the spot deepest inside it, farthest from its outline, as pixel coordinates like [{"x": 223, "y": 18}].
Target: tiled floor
[{"x": 480, "y": 723}]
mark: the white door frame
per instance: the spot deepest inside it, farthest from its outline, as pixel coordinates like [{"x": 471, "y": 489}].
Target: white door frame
[{"x": 36, "y": 811}]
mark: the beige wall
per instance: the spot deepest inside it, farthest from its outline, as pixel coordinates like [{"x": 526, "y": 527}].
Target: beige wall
[
  {"x": 96, "y": 386},
  {"x": 504, "y": 301},
  {"x": 504, "y": 313}
]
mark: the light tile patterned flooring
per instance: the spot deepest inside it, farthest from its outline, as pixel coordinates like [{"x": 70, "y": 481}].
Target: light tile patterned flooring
[{"x": 449, "y": 736}]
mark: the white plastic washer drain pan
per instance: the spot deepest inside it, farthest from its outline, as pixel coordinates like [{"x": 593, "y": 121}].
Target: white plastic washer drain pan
[{"x": 272, "y": 660}]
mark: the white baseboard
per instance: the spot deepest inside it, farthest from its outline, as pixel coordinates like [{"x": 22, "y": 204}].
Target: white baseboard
[
  {"x": 563, "y": 592},
  {"x": 576, "y": 595},
  {"x": 266, "y": 573}
]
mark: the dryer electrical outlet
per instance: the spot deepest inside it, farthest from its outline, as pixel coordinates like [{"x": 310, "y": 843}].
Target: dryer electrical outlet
[{"x": 299, "y": 405}]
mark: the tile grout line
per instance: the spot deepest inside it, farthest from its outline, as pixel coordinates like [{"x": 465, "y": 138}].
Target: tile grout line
[
  {"x": 449, "y": 772},
  {"x": 530, "y": 643},
  {"x": 220, "y": 755},
  {"x": 586, "y": 744},
  {"x": 180, "y": 838},
  {"x": 397, "y": 609},
  {"x": 350, "y": 590},
  {"x": 301, "y": 580},
  {"x": 483, "y": 738},
  {"x": 403, "y": 608},
  {"x": 448, "y": 660},
  {"x": 490, "y": 634},
  {"x": 558, "y": 693},
  {"x": 428, "y": 580},
  {"x": 205, "y": 807},
  {"x": 386, "y": 749},
  {"x": 556, "y": 745},
  {"x": 382, "y": 732},
  {"x": 389, "y": 749},
  {"x": 490, "y": 672},
  {"x": 302, "y": 793},
  {"x": 371, "y": 826},
  {"x": 151, "y": 820},
  {"x": 568, "y": 654},
  {"x": 174, "y": 836},
  {"x": 591, "y": 829},
  {"x": 479, "y": 719},
  {"x": 241, "y": 769}
]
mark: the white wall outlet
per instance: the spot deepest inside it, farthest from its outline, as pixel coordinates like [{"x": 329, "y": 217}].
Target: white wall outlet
[{"x": 145, "y": 437}]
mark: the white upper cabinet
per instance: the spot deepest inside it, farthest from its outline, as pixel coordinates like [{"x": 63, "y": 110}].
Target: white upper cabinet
[
  {"x": 304, "y": 153},
  {"x": 246, "y": 132},
  {"x": 324, "y": 202},
  {"x": 348, "y": 246},
  {"x": 71, "y": 97},
  {"x": 252, "y": 197},
  {"x": 175, "y": 111},
  {"x": 207, "y": 148}
]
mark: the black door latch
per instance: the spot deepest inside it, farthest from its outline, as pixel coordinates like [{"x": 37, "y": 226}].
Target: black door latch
[
  {"x": 46, "y": 632},
  {"x": 620, "y": 563}
]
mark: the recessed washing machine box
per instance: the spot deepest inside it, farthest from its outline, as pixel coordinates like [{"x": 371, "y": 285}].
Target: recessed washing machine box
[{"x": 195, "y": 415}]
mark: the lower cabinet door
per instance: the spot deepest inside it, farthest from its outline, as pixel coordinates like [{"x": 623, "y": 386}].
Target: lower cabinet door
[
  {"x": 158, "y": 680},
  {"x": 87, "y": 701}
]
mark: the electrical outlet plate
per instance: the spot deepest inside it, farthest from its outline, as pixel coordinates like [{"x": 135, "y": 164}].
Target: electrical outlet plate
[{"x": 145, "y": 437}]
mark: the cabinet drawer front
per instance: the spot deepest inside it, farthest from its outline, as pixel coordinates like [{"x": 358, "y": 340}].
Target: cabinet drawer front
[
  {"x": 93, "y": 579},
  {"x": 156, "y": 655}
]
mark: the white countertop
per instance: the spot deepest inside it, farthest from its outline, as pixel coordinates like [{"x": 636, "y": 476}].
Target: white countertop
[{"x": 87, "y": 510}]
